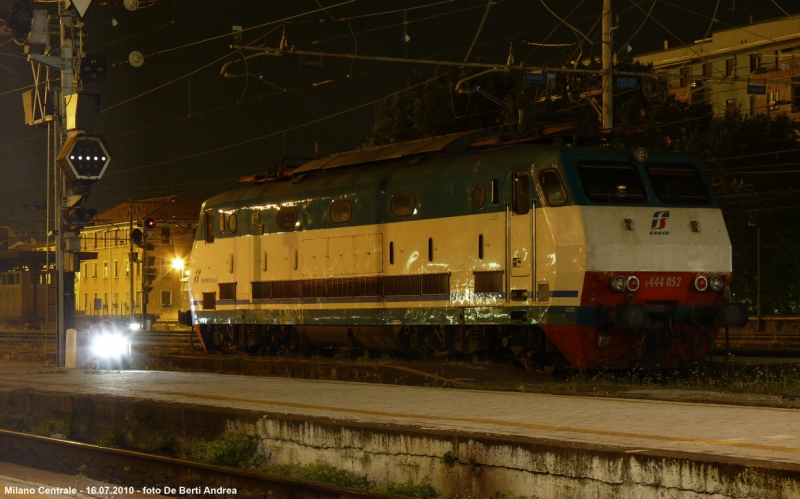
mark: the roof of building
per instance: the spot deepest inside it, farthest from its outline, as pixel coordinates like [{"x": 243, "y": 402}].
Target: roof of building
[
  {"x": 164, "y": 208},
  {"x": 767, "y": 32}
]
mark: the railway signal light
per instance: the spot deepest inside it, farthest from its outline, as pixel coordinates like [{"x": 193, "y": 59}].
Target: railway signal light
[
  {"x": 84, "y": 158},
  {"x": 150, "y": 274},
  {"x": 137, "y": 237},
  {"x": 149, "y": 227},
  {"x": 79, "y": 217}
]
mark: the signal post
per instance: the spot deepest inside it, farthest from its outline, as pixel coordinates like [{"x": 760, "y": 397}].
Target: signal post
[{"x": 69, "y": 113}]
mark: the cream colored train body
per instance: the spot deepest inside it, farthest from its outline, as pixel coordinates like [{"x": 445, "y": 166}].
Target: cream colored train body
[{"x": 450, "y": 245}]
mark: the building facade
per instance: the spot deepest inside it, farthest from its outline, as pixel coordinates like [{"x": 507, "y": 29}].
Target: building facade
[
  {"x": 768, "y": 50},
  {"x": 111, "y": 284}
]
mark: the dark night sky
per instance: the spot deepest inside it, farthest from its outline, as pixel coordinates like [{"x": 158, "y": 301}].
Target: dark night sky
[{"x": 177, "y": 138}]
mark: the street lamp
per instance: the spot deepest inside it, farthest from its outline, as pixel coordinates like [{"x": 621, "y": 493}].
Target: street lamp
[
  {"x": 178, "y": 264},
  {"x": 758, "y": 273}
]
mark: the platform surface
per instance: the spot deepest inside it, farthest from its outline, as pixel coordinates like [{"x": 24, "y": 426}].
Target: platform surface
[{"x": 767, "y": 434}]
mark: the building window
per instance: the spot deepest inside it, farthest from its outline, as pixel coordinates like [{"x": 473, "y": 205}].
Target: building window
[
  {"x": 730, "y": 67},
  {"x": 94, "y": 270},
  {"x": 796, "y": 96},
  {"x": 95, "y": 240},
  {"x": 105, "y": 270},
  {"x": 166, "y": 298},
  {"x": 686, "y": 79},
  {"x": 772, "y": 100},
  {"x": 85, "y": 271},
  {"x": 115, "y": 305},
  {"x": 731, "y": 107},
  {"x": 708, "y": 69},
  {"x": 85, "y": 302},
  {"x": 127, "y": 304},
  {"x": 165, "y": 235},
  {"x": 116, "y": 269},
  {"x": 785, "y": 59},
  {"x": 755, "y": 63},
  {"x": 105, "y": 301},
  {"x": 127, "y": 268}
]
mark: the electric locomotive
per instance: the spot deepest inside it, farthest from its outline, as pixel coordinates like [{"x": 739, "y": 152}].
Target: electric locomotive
[{"x": 605, "y": 257}]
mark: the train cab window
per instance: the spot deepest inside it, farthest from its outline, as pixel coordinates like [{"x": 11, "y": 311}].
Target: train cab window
[
  {"x": 478, "y": 196},
  {"x": 495, "y": 197},
  {"x": 233, "y": 223},
  {"x": 553, "y": 188},
  {"x": 403, "y": 204},
  {"x": 617, "y": 182},
  {"x": 287, "y": 217},
  {"x": 340, "y": 212},
  {"x": 209, "y": 222},
  {"x": 522, "y": 192},
  {"x": 678, "y": 184},
  {"x": 221, "y": 223}
]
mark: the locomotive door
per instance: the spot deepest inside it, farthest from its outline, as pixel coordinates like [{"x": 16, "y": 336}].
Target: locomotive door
[{"x": 520, "y": 235}]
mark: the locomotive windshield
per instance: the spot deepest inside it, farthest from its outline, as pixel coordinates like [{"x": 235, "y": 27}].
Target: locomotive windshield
[
  {"x": 678, "y": 184},
  {"x": 611, "y": 182}
]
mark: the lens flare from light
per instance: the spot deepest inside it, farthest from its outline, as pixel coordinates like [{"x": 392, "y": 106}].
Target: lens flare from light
[
  {"x": 178, "y": 264},
  {"x": 110, "y": 345}
]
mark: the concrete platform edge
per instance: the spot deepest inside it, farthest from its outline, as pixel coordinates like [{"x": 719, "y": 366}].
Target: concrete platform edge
[{"x": 456, "y": 462}]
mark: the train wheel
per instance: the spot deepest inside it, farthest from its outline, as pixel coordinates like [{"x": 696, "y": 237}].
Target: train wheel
[{"x": 538, "y": 362}]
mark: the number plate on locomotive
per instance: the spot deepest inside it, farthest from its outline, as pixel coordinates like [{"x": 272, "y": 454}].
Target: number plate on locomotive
[{"x": 663, "y": 281}]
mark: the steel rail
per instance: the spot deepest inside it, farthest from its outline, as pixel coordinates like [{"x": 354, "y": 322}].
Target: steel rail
[{"x": 104, "y": 462}]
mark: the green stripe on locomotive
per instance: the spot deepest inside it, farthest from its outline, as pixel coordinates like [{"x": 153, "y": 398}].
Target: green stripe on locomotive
[{"x": 442, "y": 185}]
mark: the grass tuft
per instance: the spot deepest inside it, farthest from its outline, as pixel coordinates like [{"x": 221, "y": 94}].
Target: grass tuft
[
  {"x": 422, "y": 490},
  {"x": 9, "y": 422},
  {"x": 115, "y": 438}
]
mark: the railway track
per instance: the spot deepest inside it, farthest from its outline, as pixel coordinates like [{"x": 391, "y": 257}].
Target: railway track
[{"x": 136, "y": 470}]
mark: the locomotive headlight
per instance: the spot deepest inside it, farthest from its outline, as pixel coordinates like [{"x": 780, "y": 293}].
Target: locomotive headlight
[
  {"x": 715, "y": 283},
  {"x": 110, "y": 345},
  {"x": 617, "y": 284},
  {"x": 700, "y": 283},
  {"x": 632, "y": 284}
]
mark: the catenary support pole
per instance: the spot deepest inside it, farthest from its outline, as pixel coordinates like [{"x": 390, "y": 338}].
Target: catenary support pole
[{"x": 608, "y": 67}]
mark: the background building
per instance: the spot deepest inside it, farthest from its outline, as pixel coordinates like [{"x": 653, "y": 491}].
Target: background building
[
  {"x": 767, "y": 50},
  {"x": 104, "y": 283}
]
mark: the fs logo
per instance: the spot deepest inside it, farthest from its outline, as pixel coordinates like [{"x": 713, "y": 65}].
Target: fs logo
[{"x": 659, "y": 223}]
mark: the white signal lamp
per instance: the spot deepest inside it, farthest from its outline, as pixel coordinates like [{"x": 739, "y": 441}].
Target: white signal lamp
[{"x": 617, "y": 284}]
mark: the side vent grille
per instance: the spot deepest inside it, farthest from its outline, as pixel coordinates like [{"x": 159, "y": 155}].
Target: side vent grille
[
  {"x": 209, "y": 301},
  {"x": 287, "y": 289},
  {"x": 367, "y": 286},
  {"x": 262, "y": 290},
  {"x": 315, "y": 288},
  {"x": 340, "y": 287},
  {"x": 227, "y": 291},
  {"x": 489, "y": 281},
  {"x": 436, "y": 284},
  {"x": 401, "y": 285}
]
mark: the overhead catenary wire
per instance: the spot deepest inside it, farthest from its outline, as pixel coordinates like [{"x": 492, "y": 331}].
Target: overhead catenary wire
[
  {"x": 646, "y": 17},
  {"x": 574, "y": 29},
  {"x": 480, "y": 28}
]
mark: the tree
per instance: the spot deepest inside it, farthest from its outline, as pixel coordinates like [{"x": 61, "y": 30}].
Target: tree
[{"x": 430, "y": 106}]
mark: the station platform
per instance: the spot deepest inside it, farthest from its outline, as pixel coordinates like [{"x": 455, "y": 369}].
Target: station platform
[{"x": 519, "y": 441}]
